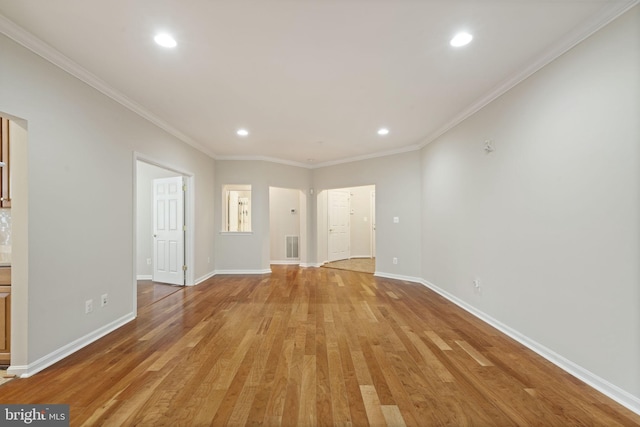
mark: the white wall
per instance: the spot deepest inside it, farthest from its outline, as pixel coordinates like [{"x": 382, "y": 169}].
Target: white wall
[
  {"x": 250, "y": 252},
  {"x": 398, "y": 188},
  {"x": 146, "y": 173},
  {"x": 80, "y": 179},
  {"x": 549, "y": 222},
  {"x": 283, "y": 222}
]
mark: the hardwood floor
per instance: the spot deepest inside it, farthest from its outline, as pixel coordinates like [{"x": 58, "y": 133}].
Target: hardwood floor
[
  {"x": 312, "y": 347},
  {"x": 363, "y": 265},
  {"x": 151, "y": 292}
]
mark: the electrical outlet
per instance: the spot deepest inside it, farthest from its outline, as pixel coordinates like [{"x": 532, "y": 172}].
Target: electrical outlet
[
  {"x": 88, "y": 306},
  {"x": 104, "y": 300},
  {"x": 395, "y": 260},
  {"x": 476, "y": 283},
  {"x": 148, "y": 261}
]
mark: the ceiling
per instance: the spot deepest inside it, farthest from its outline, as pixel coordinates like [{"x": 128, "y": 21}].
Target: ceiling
[{"x": 311, "y": 80}]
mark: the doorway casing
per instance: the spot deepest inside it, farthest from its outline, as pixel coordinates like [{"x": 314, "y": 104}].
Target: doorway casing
[
  {"x": 189, "y": 218},
  {"x": 19, "y": 247}
]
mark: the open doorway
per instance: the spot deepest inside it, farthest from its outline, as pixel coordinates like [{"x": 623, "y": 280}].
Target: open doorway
[
  {"x": 14, "y": 302},
  {"x": 161, "y": 240},
  {"x": 287, "y": 226},
  {"x": 346, "y": 228}
]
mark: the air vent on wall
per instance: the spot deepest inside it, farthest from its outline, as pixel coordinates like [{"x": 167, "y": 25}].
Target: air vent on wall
[{"x": 291, "y": 243}]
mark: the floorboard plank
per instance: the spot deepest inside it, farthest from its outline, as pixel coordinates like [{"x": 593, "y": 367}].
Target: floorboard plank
[{"x": 310, "y": 347}]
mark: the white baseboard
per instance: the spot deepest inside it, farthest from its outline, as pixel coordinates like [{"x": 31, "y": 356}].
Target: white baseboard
[
  {"x": 25, "y": 371},
  {"x": 286, "y": 262},
  {"x": 310, "y": 265},
  {"x": 266, "y": 271},
  {"x": 144, "y": 277},
  {"x": 397, "y": 277},
  {"x": 203, "y": 278},
  {"x": 361, "y": 257},
  {"x": 621, "y": 396}
]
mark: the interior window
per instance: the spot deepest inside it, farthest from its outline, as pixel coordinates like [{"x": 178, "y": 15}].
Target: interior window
[{"x": 237, "y": 208}]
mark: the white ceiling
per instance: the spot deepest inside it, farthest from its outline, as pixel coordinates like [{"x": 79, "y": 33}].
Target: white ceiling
[{"x": 312, "y": 80}]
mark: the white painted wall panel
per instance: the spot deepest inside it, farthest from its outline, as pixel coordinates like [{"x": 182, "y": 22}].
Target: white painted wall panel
[
  {"x": 282, "y": 221},
  {"x": 398, "y": 189},
  {"x": 549, "y": 221},
  {"x": 80, "y": 154}
]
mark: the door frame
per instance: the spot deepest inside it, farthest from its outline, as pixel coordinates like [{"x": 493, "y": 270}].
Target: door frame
[
  {"x": 322, "y": 221},
  {"x": 372, "y": 212},
  {"x": 189, "y": 220},
  {"x": 19, "y": 331}
]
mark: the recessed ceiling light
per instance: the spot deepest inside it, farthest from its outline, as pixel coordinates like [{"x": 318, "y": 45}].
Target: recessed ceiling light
[
  {"x": 242, "y": 132},
  {"x": 461, "y": 39},
  {"x": 165, "y": 40},
  {"x": 383, "y": 131}
]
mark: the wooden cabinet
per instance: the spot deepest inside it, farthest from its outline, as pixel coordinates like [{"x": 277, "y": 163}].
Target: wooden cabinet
[
  {"x": 5, "y": 315},
  {"x": 5, "y": 184}
]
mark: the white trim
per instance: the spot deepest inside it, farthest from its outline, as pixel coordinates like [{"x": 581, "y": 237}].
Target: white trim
[
  {"x": 608, "y": 13},
  {"x": 360, "y": 257},
  {"x": 397, "y": 277},
  {"x": 285, "y": 262},
  {"x": 144, "y": 277},
  {"x": 310, "y": 264},
  {"x": 46, "y": 51},
  {"x": 621, "y": 396},
  {"x": 25, "y": 371},
  {"x": 375, "y": 155},
  {"x": 203, "y": 278},
  {"x": 265, "y": 271},
  {"x": 264, "y": 159}
]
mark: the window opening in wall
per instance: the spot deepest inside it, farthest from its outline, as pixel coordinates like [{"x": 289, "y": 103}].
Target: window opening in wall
[{"x": 237, "y": 208}]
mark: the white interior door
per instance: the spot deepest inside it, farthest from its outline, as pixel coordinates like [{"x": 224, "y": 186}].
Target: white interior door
[
  {"x": 168, "y": 230},
  {"x": 339, "y": 225}
]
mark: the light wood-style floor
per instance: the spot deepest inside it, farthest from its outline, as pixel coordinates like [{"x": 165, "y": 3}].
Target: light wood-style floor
[
  {"x": 363, "y": 265},
  {"x": 311, "y": 347}
]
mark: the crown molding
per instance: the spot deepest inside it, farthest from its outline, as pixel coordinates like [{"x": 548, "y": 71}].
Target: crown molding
[
  {"x": 375, "y": 155},
  {"x": 607, "y": 14},
  {"x": 263, "y": 159},
  {"x": 323, "y": 164},
  {"x": 47, "y": 52}
]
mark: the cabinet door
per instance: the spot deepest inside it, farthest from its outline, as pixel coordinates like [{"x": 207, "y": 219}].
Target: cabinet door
[{"x": 5, "y": 309}]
